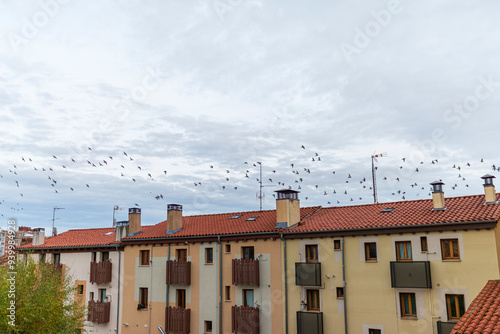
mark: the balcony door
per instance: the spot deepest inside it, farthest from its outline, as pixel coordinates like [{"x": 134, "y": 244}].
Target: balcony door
[
  {"x": 248, "y": 299},
  {"x": 247, "y": 253},
  {"x": 182, "y": 254},
  {"x": 181, "y": 298}
]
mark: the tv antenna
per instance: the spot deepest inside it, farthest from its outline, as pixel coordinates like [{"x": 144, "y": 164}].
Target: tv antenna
[
  {"x": 374, "y": 176},
  {"x": 261, "y": 196},
  {"x": 115, "y": 208},
  {"x": 54, "y": 219}
]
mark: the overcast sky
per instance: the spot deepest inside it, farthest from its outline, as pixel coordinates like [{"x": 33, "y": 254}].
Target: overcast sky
[{"x": 198, "y": 92}]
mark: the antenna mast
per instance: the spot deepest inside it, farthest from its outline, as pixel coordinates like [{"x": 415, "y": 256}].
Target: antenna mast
[
  {"x": 54, "y": 218},
  {"x": 374, "y": 176},
  {"x": 261, "y": 196}
]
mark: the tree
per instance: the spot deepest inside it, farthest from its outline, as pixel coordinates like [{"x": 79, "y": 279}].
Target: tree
[{"x": 38, "y": 298}]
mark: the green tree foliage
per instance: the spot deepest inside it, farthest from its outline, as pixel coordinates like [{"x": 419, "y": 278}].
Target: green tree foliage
[{"x": 38, "y": 298}]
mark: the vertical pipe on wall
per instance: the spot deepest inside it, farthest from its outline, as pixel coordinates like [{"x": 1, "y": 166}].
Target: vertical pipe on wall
[
  {"x": 220, "y": 285},
  {"x": 168, "y": 286},
  {"x": 151, "y": 286},
  {"x": 286, "y": 283},
  {"x": 344, "y": 287},
  {"x": 118, "y": 297}
]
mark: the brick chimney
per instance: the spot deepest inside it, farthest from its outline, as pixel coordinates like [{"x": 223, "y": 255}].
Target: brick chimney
[
  {"x": 287, "y": 208},
  {"x": 38, "y": 236},
  {"x": 134, "y": 220},
  {"x": 174, "y": 218},
  {"x": 490, "y": 196},
  {"x": 437, "y": 196}
]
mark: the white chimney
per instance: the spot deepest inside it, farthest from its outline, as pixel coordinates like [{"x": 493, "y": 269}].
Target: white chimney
[{"x": 38, "y": 236}]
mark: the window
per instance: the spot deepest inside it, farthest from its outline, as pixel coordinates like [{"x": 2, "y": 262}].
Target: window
[
  {"x": 144, "y": 257},
  {"x": 313, "y": 300},
  {"x": 208, "y": 327},
  {"x": 91, "y": 296},
  {"x": 423, "y": 244},
  {"x": 182, "y": 255},
  {"x": 79, "y": 289},
  {"x": 181, "y": 298},
  {"x": 143, "y": 297},
  {"x": 336, "y": 244},
  {"x": 209, "y": 255},
  {"x": 408, "y": 305},
  {"x": 228, "y": 248},
  {"x": 311, "y": 253},
  {"x": 57, "y": 258},
  {"x": 455, "y": 306},
  {"x": 370, "y": 251},
  {"x": 374, "y": 331},
  {"x": 94, "y": 256},
  {"x": 340, "y": 292},
  {"x": 403, "y": 251},
  {"x": 449, "y": 249},
  {"x": 247, "y": 253},
  {"x": 102, "y": 295},
  {"x": 228, "y": 292},
  {"x": 104, "y": 256},
  {"x": 248, "y": 297},
  {"x": 42, "y": 258}
]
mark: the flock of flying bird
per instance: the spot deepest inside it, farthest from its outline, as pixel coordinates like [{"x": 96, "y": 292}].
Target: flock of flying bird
[{"x": 305, "y": 175}]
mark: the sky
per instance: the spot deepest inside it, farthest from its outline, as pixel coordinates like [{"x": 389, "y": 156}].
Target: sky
[{"x": 145, "y": 103}]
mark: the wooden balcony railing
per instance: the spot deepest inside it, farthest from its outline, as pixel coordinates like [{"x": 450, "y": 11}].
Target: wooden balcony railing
[
  {"x": 179, "y": 272},
  {"x": 177, "y": 320},
  {"x": 245, "y": 272},
  {"x": 245, "y": 320},
  {"x": 99, "y": 312},
  {"x": 100, "y": 272}
]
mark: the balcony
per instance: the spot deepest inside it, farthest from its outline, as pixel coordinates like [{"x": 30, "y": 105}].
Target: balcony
[
  {"x": 309, "y": 322},
  {"x": 100, "y": 272},
  {"x": 99, "y": 312},
  {"x": 178, "y": 272},
  {"x": 308, "y": 273},
  {"x": 245, "y": 320},
  {"x": 245, "y": 272},
  {"x": 177, "y": 320},
  {"x": 414, "y": 274},
  {"x": 445, "y": 327}
]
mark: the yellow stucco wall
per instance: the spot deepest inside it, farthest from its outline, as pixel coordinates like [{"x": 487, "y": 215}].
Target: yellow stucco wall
[{"x": 370, "y": 298}]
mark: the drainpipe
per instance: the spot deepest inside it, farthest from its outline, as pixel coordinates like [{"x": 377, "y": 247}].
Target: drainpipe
[
  {"x": 118, "y": 297},
  {"x": 286, "y": 284},
  {"x": 220, "y": 284},
  {"x": 168, "y": 286},
  {"x": 343, "y": 285},
  {"x": 151, "y": 294}
]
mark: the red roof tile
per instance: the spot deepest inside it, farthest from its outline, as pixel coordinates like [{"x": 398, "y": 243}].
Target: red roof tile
[
  {"x": 78, "y": 238},
  {"x": 221, "y": 224},
  {"x": 405, "y": 213},
  {"x": 483, "y": 314}
]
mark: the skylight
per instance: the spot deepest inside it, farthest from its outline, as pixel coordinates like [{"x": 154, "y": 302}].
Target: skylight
[
  {"x": 251, "y": 218},
  {"x": 387, "y": 210},
  {"x": 109, "y": 233},
  {"x": 235, "y": 217}
]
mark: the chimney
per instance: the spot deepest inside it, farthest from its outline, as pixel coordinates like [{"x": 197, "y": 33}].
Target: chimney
[
  {"x": 287, "y": 208},
  {"x": 134, "y": 220},
  {"x": 490, "y": 195},
  {"x": 121, "y": 230},
  {"x": 174, "y": 218},
  {"x": 38, "y": 236},
  {"x": 438, "y": 196}
]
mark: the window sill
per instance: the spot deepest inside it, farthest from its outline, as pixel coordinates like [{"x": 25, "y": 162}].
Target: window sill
[
  {"x": 409, "y": 318},
  {"x": 451, "y": 260},
  {"x": 227, "y": 300},
  {"x": 371, "y": 261},
  {"x": 337, "y": 250},
  {"x": 143, "y": 309},
  {"x": 340, "y": 298},
  {"x": 209, "y": 264}
]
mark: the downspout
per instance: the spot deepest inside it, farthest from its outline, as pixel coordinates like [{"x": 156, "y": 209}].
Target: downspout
[
  {"x": 220, "y": 284},
  {"x": 118, "y": 297},
  {"x": 343, "y": 286},
  {"x": 168, "y": 285},
  {"x": 286, "y": 283},
  {"x": 151, "y": 293}
]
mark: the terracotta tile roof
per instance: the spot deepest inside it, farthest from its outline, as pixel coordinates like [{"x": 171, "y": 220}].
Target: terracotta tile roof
[
  {"x": 483, "y": 314},
  {"x": 405, "y": 213},
  {"x": 221, "y": 224},
  {"x": 78, "y": 238}
]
